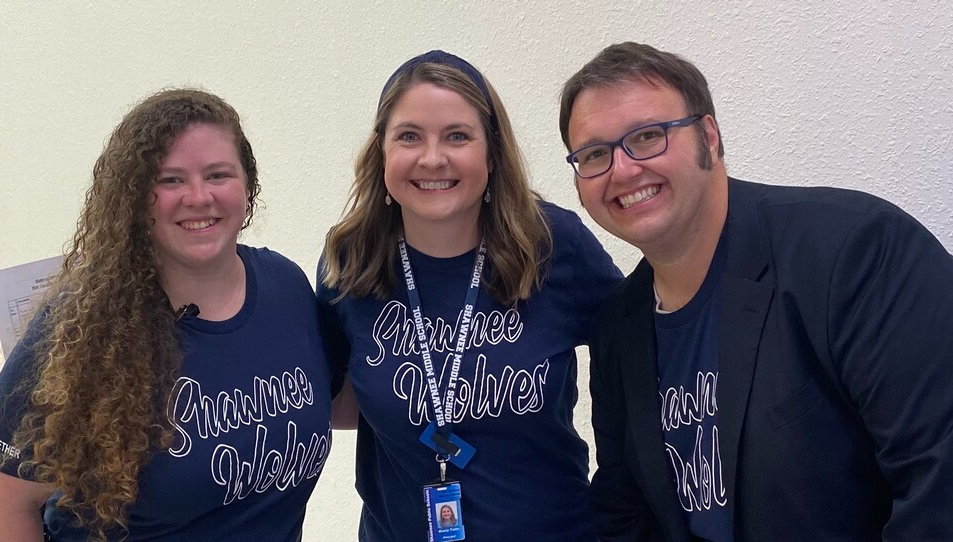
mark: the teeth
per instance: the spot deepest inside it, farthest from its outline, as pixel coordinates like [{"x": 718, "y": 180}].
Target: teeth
[
  {"x": 434, "y": 185},
  {"x": 629, "y": 200},
  {"x": 197, "y": 224}
]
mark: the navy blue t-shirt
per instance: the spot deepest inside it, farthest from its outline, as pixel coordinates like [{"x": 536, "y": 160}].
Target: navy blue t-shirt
[
  {"x": 688, "y": 388},
  {"x": 251, "y": 418},
  {"x": 515, "y": 395}
]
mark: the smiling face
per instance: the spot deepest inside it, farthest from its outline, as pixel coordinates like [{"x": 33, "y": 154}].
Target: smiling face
[
  {"x": 656, "y": 204},
  {"x": 435, "y": 161},
  {"x": 200, "y": 201}
]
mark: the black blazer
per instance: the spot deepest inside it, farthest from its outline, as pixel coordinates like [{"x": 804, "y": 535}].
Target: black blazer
[{"x": 835, "y": 392}]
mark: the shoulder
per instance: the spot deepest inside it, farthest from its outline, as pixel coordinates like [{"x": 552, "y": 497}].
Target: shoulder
[
  {"x": 561, "y": 221},
  {"x": 566, "y": 228},
  {"x": 634, "y": 291},
  {"x": 836, "y": 232},
  {"x": 575, "y": 245},
  {"x": 269, "y": 261},
  {"x": 23, "y": 355},
  {"x": 809, "y": 206},
  {"x": 276, "y": 278},
  {"x": 22, "y": 361},
  {"x": 816, "y": 218},
  {"x": 325, "y": 294}
]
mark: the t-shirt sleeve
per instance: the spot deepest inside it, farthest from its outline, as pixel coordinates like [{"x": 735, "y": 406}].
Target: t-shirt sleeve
[
  {"x": 15, "y": 387},
  {"x": 595, "y": 275},
  {"x": 596, "y": 271},
  {"x": 581, "y": 273},
  {"x": 337, "y": 347}
]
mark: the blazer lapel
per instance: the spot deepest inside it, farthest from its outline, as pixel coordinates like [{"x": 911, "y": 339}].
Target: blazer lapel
[
  {"x": 745, "y": 304},
  {"x": 640, "y": 375},
  {"x": 744, "y": 308}
]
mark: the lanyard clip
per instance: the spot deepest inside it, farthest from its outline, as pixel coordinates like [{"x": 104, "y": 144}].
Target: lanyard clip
[
  {"x": 445, "y": 444},
  {"x": 442, "y": 461}
]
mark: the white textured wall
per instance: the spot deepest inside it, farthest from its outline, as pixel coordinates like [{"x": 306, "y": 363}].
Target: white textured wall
[{"x": 814, "y": 92}]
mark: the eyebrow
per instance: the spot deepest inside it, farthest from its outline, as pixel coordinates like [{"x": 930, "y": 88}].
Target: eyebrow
[
  {"x": 415, "y": 126},
  {"x": 214, "y": 165},
  {"x": 459, "y": 125}
]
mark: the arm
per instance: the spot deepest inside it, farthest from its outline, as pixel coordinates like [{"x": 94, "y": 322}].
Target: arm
[
  {"x": 594, "y": 275},
  {"x": 621, "y": 510},
  {"x": 599, "y": 274},
  {"x": 344, "y": 409},
  {"x": 337, "y": 348},
  {"x": 891, "y": 338},
  {"x": 21, "y": 502}
]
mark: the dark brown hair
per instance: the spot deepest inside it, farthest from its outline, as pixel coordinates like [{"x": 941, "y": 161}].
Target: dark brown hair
[{"x": 633, "y": 61}]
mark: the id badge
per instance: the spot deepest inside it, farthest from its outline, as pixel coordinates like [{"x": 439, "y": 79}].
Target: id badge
[{"x": 444, "y": 515}]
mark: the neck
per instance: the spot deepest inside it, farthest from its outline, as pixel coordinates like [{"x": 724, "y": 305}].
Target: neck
[
  {"x": 443, "y": 240},
  {"x": 218, "y": 292},
  {"x": 680, "y": 270}
]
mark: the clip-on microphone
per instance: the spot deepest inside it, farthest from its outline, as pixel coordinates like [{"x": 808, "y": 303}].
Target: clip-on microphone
[{"x": 187, "y": 311}]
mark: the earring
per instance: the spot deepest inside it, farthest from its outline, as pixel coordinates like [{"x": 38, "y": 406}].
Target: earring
[
  {"x": 486, "y": 197},
  {"x": 387, "y": 200}
]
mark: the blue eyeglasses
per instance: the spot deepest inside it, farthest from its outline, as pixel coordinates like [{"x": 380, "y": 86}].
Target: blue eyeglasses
[{"x": 640, "y": 144}]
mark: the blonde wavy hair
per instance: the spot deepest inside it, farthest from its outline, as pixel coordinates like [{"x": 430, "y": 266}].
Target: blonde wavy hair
[
  {"x": 109, "y": 354},
  {"x": 360, "y": 251}
]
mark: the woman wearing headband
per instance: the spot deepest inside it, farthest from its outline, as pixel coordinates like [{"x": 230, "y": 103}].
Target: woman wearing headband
[
  {"x": 174, "y": 387},
  {"x": 455, "y": 298}
]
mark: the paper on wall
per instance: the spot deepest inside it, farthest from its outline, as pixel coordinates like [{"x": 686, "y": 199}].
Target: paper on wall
[{"x": 21, "y": 287}]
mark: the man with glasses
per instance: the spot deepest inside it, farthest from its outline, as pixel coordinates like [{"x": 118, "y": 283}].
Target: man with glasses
[{"x": 779, "y": 367}]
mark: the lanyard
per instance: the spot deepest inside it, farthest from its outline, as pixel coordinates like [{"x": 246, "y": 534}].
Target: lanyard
[{"x": 442, "y": 414}]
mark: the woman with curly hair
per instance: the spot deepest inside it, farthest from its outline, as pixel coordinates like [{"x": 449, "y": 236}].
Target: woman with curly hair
[
  {"x": 455, "y": 297},
  {"x": 174, "y": 386}
]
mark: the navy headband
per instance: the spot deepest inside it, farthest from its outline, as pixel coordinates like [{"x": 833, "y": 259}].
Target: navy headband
[{"x": 446, "y": 59}]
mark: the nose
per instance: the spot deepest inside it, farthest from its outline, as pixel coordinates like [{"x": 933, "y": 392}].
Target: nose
[
  {"x": 432, "y": 156},
  {"x": 197, "y": 193},
  {"x": 623, "y": 167}
]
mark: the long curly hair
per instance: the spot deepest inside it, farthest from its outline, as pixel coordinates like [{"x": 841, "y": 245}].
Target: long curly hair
[
  {"x": 360, "y": 251},
  {"x": 109, "y": 355}
]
